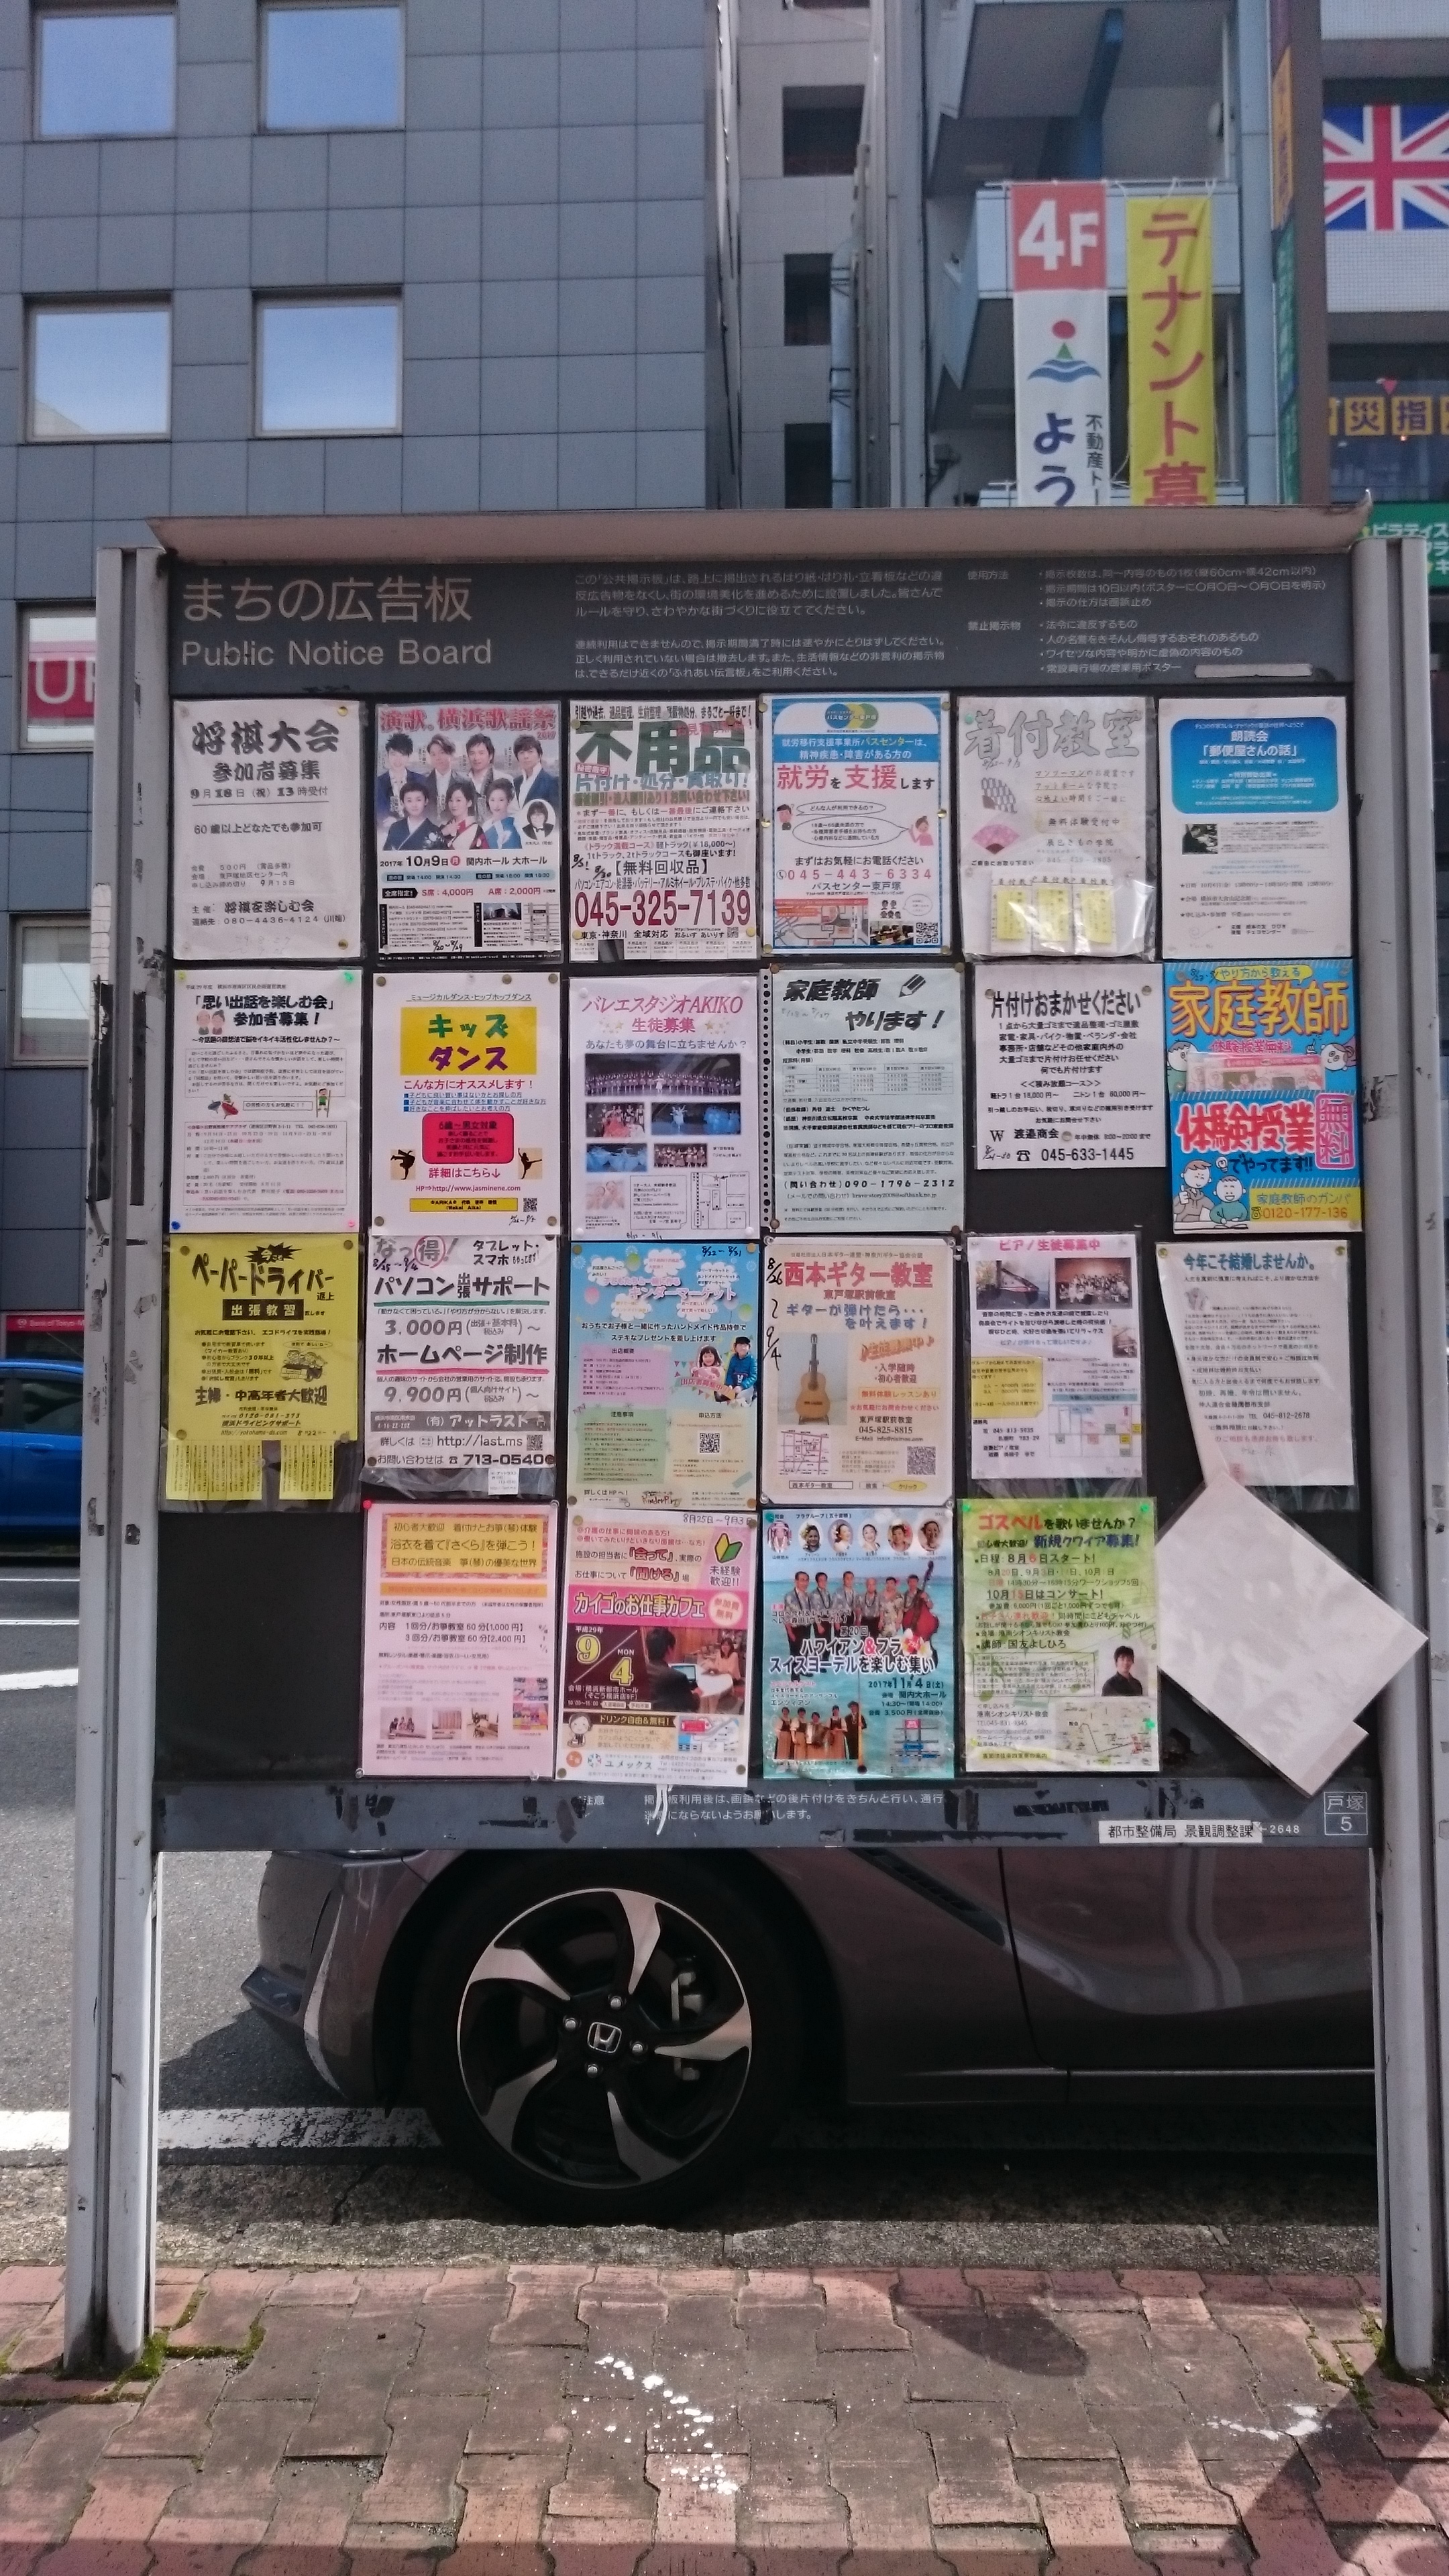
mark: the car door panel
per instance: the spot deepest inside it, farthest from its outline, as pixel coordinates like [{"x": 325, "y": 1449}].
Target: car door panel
[{"x": 45, "y": 1450}]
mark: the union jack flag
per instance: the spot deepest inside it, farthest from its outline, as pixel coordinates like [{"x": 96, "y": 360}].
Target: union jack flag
[{"x": 1386, "y": 169}]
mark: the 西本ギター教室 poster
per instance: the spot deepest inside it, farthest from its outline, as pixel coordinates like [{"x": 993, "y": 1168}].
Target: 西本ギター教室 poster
[
  {"x": 1255, "y": 828},
  {"x": 859, "y": 1381},
  {"x": 1066, "y": 1070},
  {"x": 1052, "y": 827},
  {"x": 857, "y": 836},
  {"x": 859, "y": 1645},
  {"x": 665, "y": 1106},
  {"x": 664, "y": 1364},
  {"x": 458, "y": 1641},
  {"x": 1056, "y": 1359},
  {"x": 868, "y": 1098},
  {"x": 266, "y": 1077},
  {"x": 657, "y": 1647},
  {"x": 663, "y": 824},
  {"x": 468, "y": 814},
  {"x": 465, "y": 1101},
  {"x": 1059, "y": 1635},
  {"x": 1262, "y": 1096},
  {"x": 462, "y": 1348},
  {"x": 268, "y": 855},
  {"x": 261, "y": 1355}
]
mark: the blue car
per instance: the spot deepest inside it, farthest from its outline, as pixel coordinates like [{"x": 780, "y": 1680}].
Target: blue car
[{"x": 40, "y": 1445}]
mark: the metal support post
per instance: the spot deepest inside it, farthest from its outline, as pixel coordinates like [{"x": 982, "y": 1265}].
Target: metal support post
[
  {"x": 110, "y": 2214},
  {"x": 1255, "y": 215}
]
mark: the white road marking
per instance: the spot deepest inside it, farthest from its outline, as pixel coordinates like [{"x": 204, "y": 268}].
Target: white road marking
[
  {"x": 327, "y": 2127},
  {"x": 64, "y": 1680},
  {"x": 39, "y": 1623}
]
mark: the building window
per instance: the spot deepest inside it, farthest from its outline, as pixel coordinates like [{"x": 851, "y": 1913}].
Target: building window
[
  {"x": 820, "y": 132},
  {"x": 100, "y": 371},
  {"x": 807, "y": 299},
  {"x": 330, "y": 67},
  {"x": 58, "y": 679},
  {"x": 50, "y": 992},
  {"x": 105, "y": 74},
  {"x": 325, "y": 368},
  {"x": 807, "y": 465}
]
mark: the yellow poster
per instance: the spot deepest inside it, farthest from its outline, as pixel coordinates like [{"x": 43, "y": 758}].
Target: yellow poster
[
  {"x": 1170, "y": 350},
  {"x": 263, "y": 1350}
]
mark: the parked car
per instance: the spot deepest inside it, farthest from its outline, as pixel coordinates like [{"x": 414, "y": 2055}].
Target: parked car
[
  {"x": 611, "y": 2036},
  {"x": 40, "y": 1445}
]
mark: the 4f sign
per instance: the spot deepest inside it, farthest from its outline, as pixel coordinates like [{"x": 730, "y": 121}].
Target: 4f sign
[{"x": 1058, "y": 234}]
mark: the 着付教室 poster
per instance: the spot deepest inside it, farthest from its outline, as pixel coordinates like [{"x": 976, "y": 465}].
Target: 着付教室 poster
[
  {"x": 868, "y": 1097},
  {"x": 458, "y": 1639},
  {"x": 663, "y": 825},
  {"x": 657, "y": 1647},
  {"x": 665, "y": 1106},
  {"x": 1056, "y": 1359},
  {"x": 664, "y": 1353},
  {"x": 261, "y": 1349},
  {"x": 1052, "y": 827},
  {"x": 266, "y": 825},
  {"x": 857, "y": 832},
  {"x": 465, "y": 1101},
  {"x": 1261, "y": 1334},
  {"x": 462, "y": 1346},
  {"x": 859, "y": 1645},
  {"x": 1262, "y": 1096},
  {"x": 266, "y": 1076},
  {"x": 858, "y": 1377},
  {"x": 468, "y": 813},
  {"x": 1255, "y": 828},
  {"x": 1066, "y": 1067},
  {"x": 1059, "y": 1635}
]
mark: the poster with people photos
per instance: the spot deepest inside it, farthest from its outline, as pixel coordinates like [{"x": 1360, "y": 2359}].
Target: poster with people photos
[{"x": 468, "y": 816}]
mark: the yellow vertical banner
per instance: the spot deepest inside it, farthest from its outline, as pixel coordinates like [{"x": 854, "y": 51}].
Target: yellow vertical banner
[{"x": 1170, "y": 350}]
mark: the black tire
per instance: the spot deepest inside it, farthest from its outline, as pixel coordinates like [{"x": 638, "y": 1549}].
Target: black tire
[{"x": 575, "y": 2076}]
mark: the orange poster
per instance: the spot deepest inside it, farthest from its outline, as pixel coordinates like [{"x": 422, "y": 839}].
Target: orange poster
[{"x": 1170, "y": 350}]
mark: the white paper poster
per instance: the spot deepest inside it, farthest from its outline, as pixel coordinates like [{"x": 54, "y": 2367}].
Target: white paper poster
[
  {"x": 465, "y": 1101},
  {"x": 665, "y": 1106},
  {"x": 462, "y": 1353},
  {"x": 1052, "y": 801},
  {"x": 662, "y": 828},
  {"x": 1061, "y": 372},
  {"x": 267, "y": 826},
  {"x": 468, "y": 814},
  {"x": 859, "y": 1385},
  {"x": 658, "y": 1646},
  {"x": 858, "y": 831},
  {"x": 1066, "y": 1067},
  {"x": 1255, "y": 828},
  {"x": 266, "y": 1078},
  {"x": 458, "y": 1641},
  {"x": 868, "y": 1097},
  {"x": 1262, "y": 1340},
  {"x": 1056, "y": 1359}
]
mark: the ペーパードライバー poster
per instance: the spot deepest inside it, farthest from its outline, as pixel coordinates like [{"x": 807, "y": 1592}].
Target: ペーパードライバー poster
[
  {"x": 663, "y": 824},
  {"x": 1056, "y": 1359},
  {"x": 859, "y": 1382},
  {"x": 462, "y": 1346},
  {"x": 1262, "y": 1096},
  {"x": 664, "y": 1353},
  {"x": 1066, "y": 1072},
  {"x": 465, "y": 1101},
  {"x": 266, "y": 1078},
  {"x": 867, "y": 1097},
  {"x": 859, "y": 1652},
  {"x": 857, "y": 833},
  {"x": 261, "y": 1374},
  {"x": 665, "y": 1106},
  {"x": 458, "y": 1642},
  {"x": 468, "y": 815},
  {"x": 1052, "y": 827},
  {"x": 657, "y": 1647},
  {"x": 265, "y": 820},
  {"x": 1059, "y": 1635},
  {"x": 1255, "y": 828}
]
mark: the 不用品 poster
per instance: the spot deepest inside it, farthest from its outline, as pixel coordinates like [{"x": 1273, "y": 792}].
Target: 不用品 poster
[
  {"x": 858, "y": 834},
  {"x": 458, "y": 1642},
  {"x": 265, "y": 805},
  {"x": 657, "y": 1647},
  {"x": 868, "y": 1097},
  {"x": 1262, "y": 1340},
  {"x": 462, "y": 1335},
  {"x": 664, "y": 1351},
  {"x": 1052, "y": 823},
  {"x": 859, "y": 1384},
  {"x": 1059, "y": 1635},
  {"x": 465, "y": 1101},
  {"x": 468, "y": 812},
  {"x": 859, "y": 1645},
  {"x": 266, "y": 1077},
  {"x": 261, "y": 1355},
  {"x": 1255, "y": 828},
  {"x": 662, "y": 829},
  {"x": 1056, "y": 1359},
  {"x": 665, "y": 1108},
  {"x": 1262, "y": 1097},
  {"x": 1066, "y": 1071}
]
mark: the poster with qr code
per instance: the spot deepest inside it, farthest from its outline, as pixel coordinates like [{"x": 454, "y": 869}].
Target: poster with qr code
[
  {"x": 858, "y": 1369},
  {"x": 664, "y": 1366}
]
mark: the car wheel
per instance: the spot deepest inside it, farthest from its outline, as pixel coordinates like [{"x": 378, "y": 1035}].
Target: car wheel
[{"x": 605, "y": 2040}]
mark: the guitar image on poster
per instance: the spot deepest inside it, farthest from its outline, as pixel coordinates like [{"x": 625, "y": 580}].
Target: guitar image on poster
[{"x": 812, "y": 1402}]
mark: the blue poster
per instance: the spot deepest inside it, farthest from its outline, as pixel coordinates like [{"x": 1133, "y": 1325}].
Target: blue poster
[
  {"x": 664, "y": 1375},
  {"x": 1262, "y": 1097},
  {"x": 860, "y": 1644}
]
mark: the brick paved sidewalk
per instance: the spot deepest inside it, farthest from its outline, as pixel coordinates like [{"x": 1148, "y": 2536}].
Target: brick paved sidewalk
[{"x": 603, "y": 2419}]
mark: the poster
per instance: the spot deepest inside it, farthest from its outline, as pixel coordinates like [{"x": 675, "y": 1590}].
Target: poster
[
  {"x": 468, "y": 815},
  {"x": 1056, "y": 1359},
  {"x": 1262, "y": 1097},
  {"x": 858, "y": 831},
  {"x": 1062, "y": 364},
  {"x": 1051, "y": 796},
  {"x": 1066, "y": 1072},
  {"x": 662, "y": 828},
  {"x": 868, "y": 1097},
  {"x": 1262, "y": 1340},
  {"x": 465, "y": 1101},
  {"x": 664, "y": 1374},
  {"x": 1255, "y": 828},
  {"x": 462, "y": 1348},
  {"x": 859, "y": 1646},
  {"x": 267, "y": 813},
  {"x": 266, "y": 1080},
  {"x": 1171, "y": 430},
  {"x": 665, "y": 1094},
  {"x": 1059, "y": 1630},
  {"x": 261, "y": 1350},
  {"x": 657, "y": 1647},
  {"x": 858, "y": 1383},
  {"x": 458, "y": 1642}
]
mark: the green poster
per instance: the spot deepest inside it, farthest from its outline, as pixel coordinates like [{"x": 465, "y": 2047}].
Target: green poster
[{"x": 1059, "y": 1625}]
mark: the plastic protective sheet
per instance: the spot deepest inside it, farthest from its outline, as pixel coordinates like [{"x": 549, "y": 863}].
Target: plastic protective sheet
[
  {"x": 664, "y": 1373},
  {"x": 858, "y": 827},
  {"x": 1059, "y": 1636},
  {"x": 1255, "y": 828},
  {"x": 1052, "y": 826},
  {"x": 859, "y": 1653},
  {"x": 859, "y": 1376},
  {"x": 663, "y": 829},
  {"x": 665, "y": 1106},
  {"x": 657, "y": 1647},
  {"x": 461, "y": 1372},
  {"x": 468, "y": 814},
  {"x": 1261, "y": 1332},
  {"x": 261, "y": 1372},
  {"x": 868, "y": 1096},
  {"x": 266, "y": 1083},
  {"x": 465, "y": 1102},
  {"x": 1054, "y": 1326},
  {"x": 265, "y": 795},
  {"x": 458, "y": 1642}
]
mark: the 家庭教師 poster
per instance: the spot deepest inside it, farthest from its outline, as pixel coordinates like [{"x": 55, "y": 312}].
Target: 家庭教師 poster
[
  {"x": 261, "y": 1349},
  {"x": 465, "y": 1101},
  {"x": 857, "y": 833},
  {"x": 462, "y": 1336},
  {"x": 1059, "y": 1635},
  {"x": 266, "y": 820},
  {"x": 663, "y": 824},
  {"x": 665, "y": 1106},
  {"x": 1261, "y": 1333},
  {"x": 657, "y": 1647},
  {"x": 664, "y": 1351},
  {"x": 859, "y": 1653},
  {"x": 266, "y": 1076},
  {"x": 1255, "y": 828},
  {"x": 1056, "y": 1359},
  {"x": 458, "y": 1641},
  {"x": 1052, "y": 825},
  {"x": 1066, "y": 1070},
  {"x": 858, "y": 1376},
  {"x": 468, "y": 815},
  {"x": 1262, "y": 1096},
  {"x": 868, "y": 1097}
]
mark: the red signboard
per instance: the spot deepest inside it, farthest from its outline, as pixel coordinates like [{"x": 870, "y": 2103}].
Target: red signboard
[
  {"x": 60, "y": 684},
  {"x": 474, "y": 1139},
  {"x": 1058, "y": 233}
]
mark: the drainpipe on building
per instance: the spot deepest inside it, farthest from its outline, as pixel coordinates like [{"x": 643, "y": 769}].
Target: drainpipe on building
[{"x": 842, "y": 379}]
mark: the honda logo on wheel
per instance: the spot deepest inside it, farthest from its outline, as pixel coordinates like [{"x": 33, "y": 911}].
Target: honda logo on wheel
[{"x": 604, "y": 2037}]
